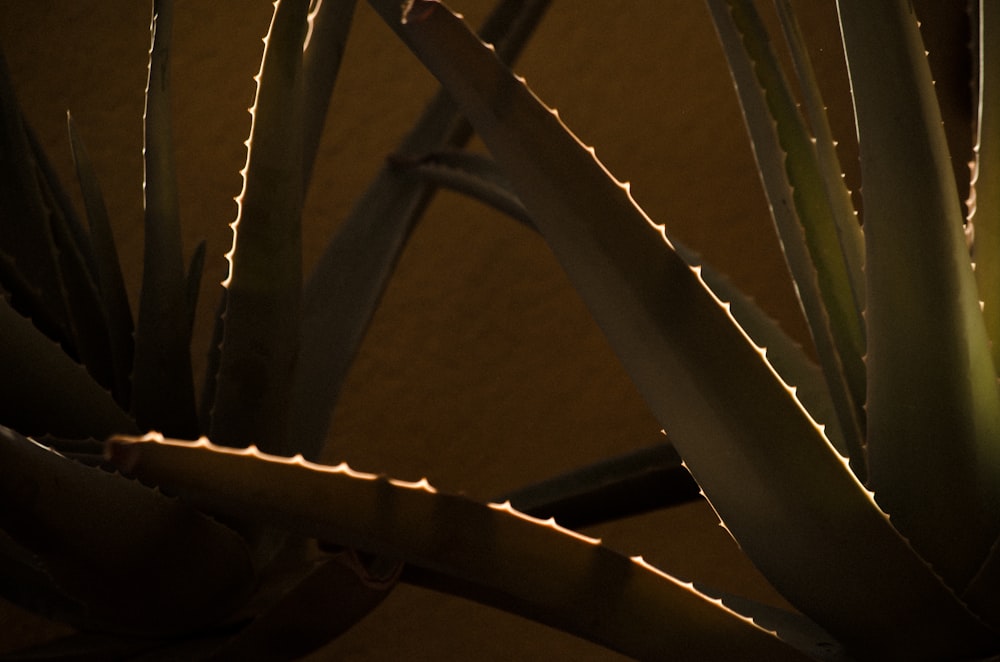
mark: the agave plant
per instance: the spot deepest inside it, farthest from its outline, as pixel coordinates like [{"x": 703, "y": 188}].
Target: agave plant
[{"x": 862, "y": 486}]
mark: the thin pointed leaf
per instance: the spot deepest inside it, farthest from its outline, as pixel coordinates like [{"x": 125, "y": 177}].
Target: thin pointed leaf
[
  {"x": 43, "y": 391},
  {"x": 474, "y": 175},
  {"x": 110, "y": 281},
  {"x": 325, "y": 41},
  {"x": 194, "y": 273},
  {"x": 261, "y": 324},
  {"x": 933, "y": 402},
  {"x": 985, "y": 198},
  {"x": 87, "y": 320},
  {"x": 785, "y": 354},
  {"x": 852, "y": 241},
  {"x": 780, "y": 487},
  {"x": 325, "y": 602},
  {"x": 575, "y": 582},
  {"x": 162, "y": 380},
  {"x": 343, "y": 291},
  {"x": 794, "y": 184},
  {"x": 24, "y": 221},
  {"x": 621, "y": 486},
  {"x": 139, "y": 561}
]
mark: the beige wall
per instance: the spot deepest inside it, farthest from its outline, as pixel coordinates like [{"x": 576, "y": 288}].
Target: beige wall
[{"x": 482, "y": 370}]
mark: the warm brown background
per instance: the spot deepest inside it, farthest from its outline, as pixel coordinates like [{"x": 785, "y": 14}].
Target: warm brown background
[{"x": 482, "y": 370}]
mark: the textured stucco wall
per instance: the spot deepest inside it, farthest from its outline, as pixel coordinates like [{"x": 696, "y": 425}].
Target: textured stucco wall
[{"x": 482, "y": 370}]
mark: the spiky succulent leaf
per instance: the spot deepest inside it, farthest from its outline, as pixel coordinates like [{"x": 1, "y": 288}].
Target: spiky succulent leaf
[
  {"x": 136, "y": 560},
  {"x": 31, "y": 271},
  {"x": 786, "y": 495},
  {"x": 985, "y": 198},
  {"x": 43, "y": 391},
  {"x": 933, "y": 403},
  {"x": 347, "y": 283},
  {"x": 110, "y": 282},
  {"x": 261, "y": 322},
  {"x": 562, "y": 576},
  {"x": 797, "y": 190},
  {"x": 162, "y": 381},
  {"x": 325, "y": 41}
]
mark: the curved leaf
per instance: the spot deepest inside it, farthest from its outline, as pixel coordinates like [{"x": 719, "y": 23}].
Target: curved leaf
[
  {"x": 933, "y": 402},
  {"x": 799, "y": 193},
  {"x": 162, "y": 379},
  {"x": 261, "y": 322},
  {"x": 42, "y": 390},
  {"x": 347, "y": 283},
  {"x": 780, "y": 487},
  {"x": 138, "y": 561},
  {"x": 110, "y": 282},
  {"x": 567, "y": 580}
]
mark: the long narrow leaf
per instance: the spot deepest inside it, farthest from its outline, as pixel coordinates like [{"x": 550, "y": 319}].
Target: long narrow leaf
[
  {"x": 43, "y": 391},
  {"x": 984, "y": 209},
  {"x": 852, "y": 241},
  {"x": 140, "y": 562},
  {"x": 343, "y": 291},
  {"x": 783, "y": 491},
  {"x": 622, "y": 486},
  {"x": 325, "y": 41},
  {"x": 933, "y": 403},
  {"x": 566, "y": 577},
  {"x": 261, "y": 323},
  {"x": 110, "y": 281},
  {"x": 794, "y": 183},
  {"x": 162, "y": 382},
  {"x": 25, "y": 233}
]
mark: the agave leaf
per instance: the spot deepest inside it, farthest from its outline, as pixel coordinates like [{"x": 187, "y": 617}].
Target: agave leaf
[
  {"x": 322, "y": 604},
  {"x": 325, "y": 41},
  {"x": 852, "y": 241},
  {"x": 138, "y": 561},
  {"x": 785, "y": 355},
  {"x": 985, "y": 199},
  {"x": 777, "y": 483},
  {"x": 25, "y": 582},
  {"x": 162, "y": 380},
  {"x": 193, "y": 286},
  {"x": 933, "y": 402},
  {"x": 798, "y": 194},
  {"x": 260, "y": 334},
  {"x": 475, "y": 175},
  {"x": 347, "y": 283},
  {"x": 24, "y": 222},
  {"x": 42, "y": 390},
  {"x": 564, "y": 576},
  {"x": 621, "y": 486},
  {"x": 87, "y": 321},
  {"x": 110, "y": 281}
]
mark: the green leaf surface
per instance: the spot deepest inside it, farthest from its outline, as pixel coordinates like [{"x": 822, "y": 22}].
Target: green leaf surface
[
  {"x": 852, "y": 241},
  {"x": 344, "y": 289},
  {"x": 782, "y": 490},
  {"x": 797, "y": 191},
  {"x": 140, "y": 562},
  {"x": 43, "y": 391},
  {"x": 162, "y": 380},
  {"x": 562, "y": 575},
  {"x": 261, "y": 322},
  {"x": 110, "y": 282},
  {"x": 933, "y": 403}
]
